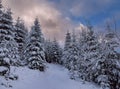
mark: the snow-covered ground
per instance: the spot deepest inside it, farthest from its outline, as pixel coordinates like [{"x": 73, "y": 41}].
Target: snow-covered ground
[{"x": 55, "y": 77}]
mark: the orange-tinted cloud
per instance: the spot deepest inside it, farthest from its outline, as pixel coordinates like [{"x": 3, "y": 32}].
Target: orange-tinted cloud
[{"x": 53, "y": 23}]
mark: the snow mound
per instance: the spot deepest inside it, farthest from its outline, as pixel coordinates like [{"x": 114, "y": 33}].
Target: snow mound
[
  {"x": 55, "y": 77},
  {"x": 2, "y": 68}
]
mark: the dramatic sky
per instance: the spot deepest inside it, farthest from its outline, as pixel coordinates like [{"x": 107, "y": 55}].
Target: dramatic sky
[{"x": 58, "y": 16}]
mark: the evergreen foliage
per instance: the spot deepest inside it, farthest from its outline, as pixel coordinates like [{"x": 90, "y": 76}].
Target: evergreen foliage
[
  {"x": 53, "y": 52},
  {"x": 8, "y": 48},
  {"x": 34, "y": 51},
  {"x": 20, "y": 37}
]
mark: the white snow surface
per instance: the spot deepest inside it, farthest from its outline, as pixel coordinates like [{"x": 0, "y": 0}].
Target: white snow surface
[
  {"x": 2, "y": 68},
  {"x": 55, "y": 77}
]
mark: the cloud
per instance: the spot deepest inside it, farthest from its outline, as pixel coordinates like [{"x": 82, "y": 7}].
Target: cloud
[
  {"x": 88, "y": 7},
  {"x": 53, "y": 23},
  {"x": 80, "y": 27},
  {"x": 54, "y": 15},
  {"x": 83, "y": 7}
]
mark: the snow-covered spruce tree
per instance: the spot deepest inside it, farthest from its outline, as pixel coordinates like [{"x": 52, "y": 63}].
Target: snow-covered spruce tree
[
  {"x": 56, "y": 52},
  {"x": 53, "y": 51},
  {"x": 34, "y": 51},
  {"x": 106, "y": 71},
  {"x": 91, "y": 52},
  {"x": 48, "y": 50},
  {"x": 68, "y": 40},
  {"x": 81, "y": 66},
  {"x": 71, "y": 56},
  {"x": 8, "y": 48},
  {"x": 110, "y": 37},
  {"x": 20, "y": 37},
  {"x": 67, "y": 45},
  {"x": 73, "y": 59}
]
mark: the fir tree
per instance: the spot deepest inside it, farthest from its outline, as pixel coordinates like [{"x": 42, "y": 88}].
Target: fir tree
[
  {"x": 67, "y": 41},
  {"x": 91, "y": 51},
  {"x": 110, "y": 37},
  {"x": 7, "y": 42},
  {"x": 67, "y": 45},
  {"x": 71, "y": 55},
  {"x": 81, "y": 66},
  {"x": 34, "y": 52},
  {"x": 48, "y": 51},
  {"x": 74, "y": 57},
  {"x": 53, "y": 52},
  {"x": 56, "y": 52},
  {"x": 20, "y": 36},
  {"x": 106, "y": 70},
  {"x": 8, "y": 47}
]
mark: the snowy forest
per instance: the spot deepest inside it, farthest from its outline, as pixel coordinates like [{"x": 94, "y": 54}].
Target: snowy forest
[{"x": 88, "y": 57}]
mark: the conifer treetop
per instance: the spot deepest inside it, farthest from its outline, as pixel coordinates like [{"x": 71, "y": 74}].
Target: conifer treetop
[
  {"x": 1, "y": 6},
  {"x": 36, "y": 22},
  {"x": 20, "y": 23},
  {"x": 73, "y": 36},
  {"x": 9, "y": 12}
]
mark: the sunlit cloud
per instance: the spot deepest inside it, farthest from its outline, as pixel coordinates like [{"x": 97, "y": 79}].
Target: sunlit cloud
[
  {"x": 57, "y": 16},
  {"x": 53, "y": 23}
]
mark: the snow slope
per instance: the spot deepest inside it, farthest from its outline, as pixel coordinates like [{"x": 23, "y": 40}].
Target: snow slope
[{"x": 55, "y": 77}]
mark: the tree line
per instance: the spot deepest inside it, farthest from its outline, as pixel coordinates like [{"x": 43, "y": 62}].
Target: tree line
[{"x": 92, "y": 58}]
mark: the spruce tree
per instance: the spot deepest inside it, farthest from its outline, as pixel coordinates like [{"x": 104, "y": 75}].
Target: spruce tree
[
  {"x": 53, "y": 51},
  {"x": 20, "y": 37},
  {"x": 71, "y": 55},
  {"x": 67, "y": 45},
  {"x": 81, "y": 62},
  {"x": 91, "y": 52},
  {"x": 74, "y": 57},
  {"x": 8, "y": 47},
  {"x": 56, "y": 52},
  {"x": 48, "y": 51},
  {"x": 67, "y": 41},
  {"x": 34, "y": 53},
  {"x": 106, "y": 70},
  {"x": 7, "y": 42}
]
